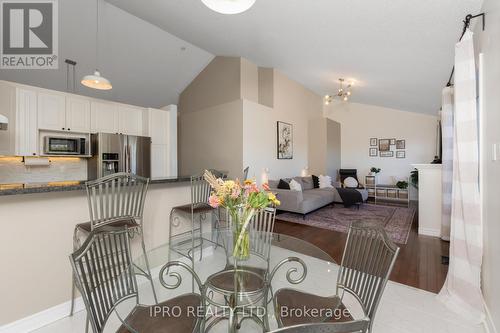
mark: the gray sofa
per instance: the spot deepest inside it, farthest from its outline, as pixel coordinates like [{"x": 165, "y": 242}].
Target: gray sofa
[{"x": 310, "y": 198}]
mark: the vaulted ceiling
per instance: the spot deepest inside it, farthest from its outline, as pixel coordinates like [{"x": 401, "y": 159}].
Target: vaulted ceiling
[{"x": 399, "y": 52}]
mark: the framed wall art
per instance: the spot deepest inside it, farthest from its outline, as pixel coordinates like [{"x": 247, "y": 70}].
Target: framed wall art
[
  {"x": 384, "y": 145},
  {"x": 400, "y": 144},
  {"x": 285, "y": 141},
  {"x": 401, "y": 154},
  {"x": 386, "y": 154},
  {"x": 373, "y": 152},
  {"x": 373, "y": 142}
]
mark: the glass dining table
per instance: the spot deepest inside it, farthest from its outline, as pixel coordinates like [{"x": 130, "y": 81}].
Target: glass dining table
[{"x": 237, "y": 295}]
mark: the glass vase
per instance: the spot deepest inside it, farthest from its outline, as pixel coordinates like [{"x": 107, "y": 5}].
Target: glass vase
[{"x": 240, "y": 218}]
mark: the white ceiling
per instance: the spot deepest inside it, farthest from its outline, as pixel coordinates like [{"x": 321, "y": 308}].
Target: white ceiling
[{"x": 400, "y": 52}]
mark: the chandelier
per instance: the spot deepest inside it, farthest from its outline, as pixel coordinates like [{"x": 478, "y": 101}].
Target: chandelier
[{"x": 344, "y": 92}]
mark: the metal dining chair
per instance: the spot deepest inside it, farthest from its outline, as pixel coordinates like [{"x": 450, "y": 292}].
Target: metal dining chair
[
  {"x": 356, "y": 326},
  {"x": 118, "y": 201},
  {"x": 248, "y": 281},
  {"x": 197, "y": 210},
  {"x": 245, "y": 173},
  {"x": 105, "y": 277},
  {"x": 368, "y": 259}
]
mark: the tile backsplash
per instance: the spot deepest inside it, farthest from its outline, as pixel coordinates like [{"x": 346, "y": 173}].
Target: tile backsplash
[{"x": 13, "y": 170}]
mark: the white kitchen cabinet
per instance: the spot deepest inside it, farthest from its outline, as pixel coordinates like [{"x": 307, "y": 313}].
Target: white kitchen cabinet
[
  {"x": 104, "y": 117},
  {"x": 159, "y": 161},
  {"x": 130, "y": 120},
  {"x": 77, "y": 114},
  {"x": 26, "y": 126},
  {"x": 159, "y": 126},
  {"x": 51, "y": 111},
  {"x": 162, "y": 128}
]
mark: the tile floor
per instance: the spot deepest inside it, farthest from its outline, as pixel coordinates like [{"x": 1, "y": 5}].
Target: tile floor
[{"x": 403, "y": 309}]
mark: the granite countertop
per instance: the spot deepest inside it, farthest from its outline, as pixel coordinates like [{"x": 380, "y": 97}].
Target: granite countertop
[{"x": 13, "y": 189}]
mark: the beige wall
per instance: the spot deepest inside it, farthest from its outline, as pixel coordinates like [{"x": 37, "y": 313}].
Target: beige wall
[
  {"x": 238, "y": 131},
  {"x": 212, "y": 138},
  {"x": 360, "y": 122},
  {"x": 218, "y": 83},
  {"x": 249, "y": 81},
  {"x": 333, "y": 147},
  {"x": 293, "y": 104},
  {"x": 36, "y": 241},
  {"x": 324, "y": 147},
  {"x": 488, "y": 42}
]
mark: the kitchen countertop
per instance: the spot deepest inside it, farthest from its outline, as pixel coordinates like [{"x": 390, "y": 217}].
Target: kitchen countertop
[{"x": 13, "y": 189}]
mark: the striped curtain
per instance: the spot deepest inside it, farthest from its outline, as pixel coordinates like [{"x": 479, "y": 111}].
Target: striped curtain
[
  {"x": 462, "y": 289},
  {"x": 447, "y": 158}
]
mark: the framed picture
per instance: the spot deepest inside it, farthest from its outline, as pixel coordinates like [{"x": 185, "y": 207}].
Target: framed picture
[
  {"x": 393, "y": 142},
  {"x": 400, "y": 144},
  {"x": 384, "y": 145},
  {"x": 401, "y": 154},
  {"x": 373, "y": 152},
  {"x": 386, "y": 154},
  {"x": 373, "y": 142},
  {"x": 285, "y": 141}
]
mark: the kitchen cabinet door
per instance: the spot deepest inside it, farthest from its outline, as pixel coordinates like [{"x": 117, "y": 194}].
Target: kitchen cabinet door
[
  {"x": 159, "y": 161},
  {"x": 130, "y": 120},
  {"x": 104, "y": 117},
  {"x": 77, "y": 115},
  {"x": 26, "y": 123},
  {"x": 159, "y": 126},
  {"x": 51, "y": 111}
]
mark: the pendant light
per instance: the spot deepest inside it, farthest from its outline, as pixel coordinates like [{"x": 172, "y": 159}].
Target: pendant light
[
  {"x": 96, "y": 81},
  {"x": 229, "y": 6}
]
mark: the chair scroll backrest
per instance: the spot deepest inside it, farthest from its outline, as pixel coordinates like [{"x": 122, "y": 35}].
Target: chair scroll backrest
[
  {"x": 245, "y": 173},
  {"x": 116, "y": 197},
  {"x": 103, "y": 272},
  {"x": 356, "y": 326},
  {"x": 367, "y": 262}
]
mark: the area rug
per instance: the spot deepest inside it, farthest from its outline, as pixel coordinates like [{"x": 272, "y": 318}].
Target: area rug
[{"x": 396, "y": 221}]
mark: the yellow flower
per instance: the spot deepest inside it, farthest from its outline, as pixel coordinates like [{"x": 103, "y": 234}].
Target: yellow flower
[
  {"x": 249, "y": 182},
  {"x": 277, "y": 202}
]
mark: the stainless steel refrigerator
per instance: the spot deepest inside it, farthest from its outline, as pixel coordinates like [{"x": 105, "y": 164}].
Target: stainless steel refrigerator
[{"x": 112, "y": 153}]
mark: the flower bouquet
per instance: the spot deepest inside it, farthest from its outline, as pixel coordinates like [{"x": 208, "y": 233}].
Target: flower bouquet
[{"x": 242, "y": 201}]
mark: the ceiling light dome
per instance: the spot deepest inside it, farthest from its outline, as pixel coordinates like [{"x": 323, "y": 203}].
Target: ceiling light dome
[
  {"x": 229, "y": 6},
  {"x": 96, "y": 81}
]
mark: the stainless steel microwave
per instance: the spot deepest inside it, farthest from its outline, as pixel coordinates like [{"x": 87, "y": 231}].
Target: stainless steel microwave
[{"x": 59, "y": 145}]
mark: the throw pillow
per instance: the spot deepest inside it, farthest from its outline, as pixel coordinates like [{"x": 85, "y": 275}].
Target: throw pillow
[
  {"x": 283, "y": 185},
  {"x": 325, "y": 181},
  {"x": 315, "y": 181},
  {"x": 351, "y": 182},
  {"x": 295, "y": 186}
]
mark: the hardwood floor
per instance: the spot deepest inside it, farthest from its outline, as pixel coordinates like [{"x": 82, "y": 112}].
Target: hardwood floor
[{"x": 418, "y": 264}]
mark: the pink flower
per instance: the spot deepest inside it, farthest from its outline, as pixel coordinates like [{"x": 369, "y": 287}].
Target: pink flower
[
  {"x": 251, "y": 188},
  {"x": 214, "y": 201},
  {"x": 266, "y": 187},
  {"x": 235, "y": 193}
]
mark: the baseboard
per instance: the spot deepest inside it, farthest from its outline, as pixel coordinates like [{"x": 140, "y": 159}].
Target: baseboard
[
  {"x": 489, "y": 325},
  {"x": 429, "y": 232},
  {"x": 42, "y": 318}
]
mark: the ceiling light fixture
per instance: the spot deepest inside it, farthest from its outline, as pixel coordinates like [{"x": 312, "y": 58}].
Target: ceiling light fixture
[
  {"x": 229, "y": 6},
  {"x": 96, "y": 81},
  {"x": 344, "y": 93}
]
